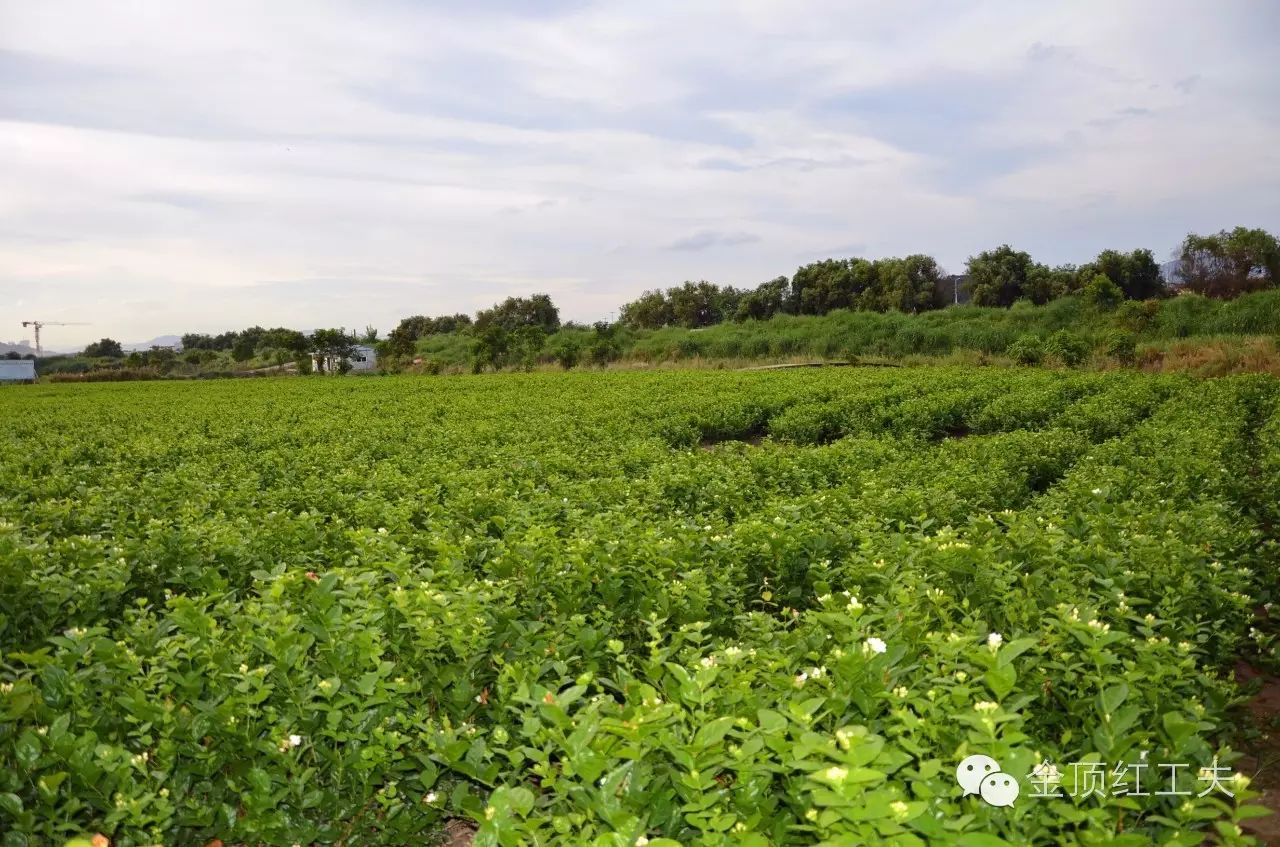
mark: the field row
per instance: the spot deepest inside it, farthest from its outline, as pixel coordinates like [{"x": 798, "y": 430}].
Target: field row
[{"x": 708, "y": 607}]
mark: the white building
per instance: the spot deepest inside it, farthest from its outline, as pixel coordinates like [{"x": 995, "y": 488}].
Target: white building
[
  {"x": 17, "y": 370},
  {"x": 363, "y": 360}
]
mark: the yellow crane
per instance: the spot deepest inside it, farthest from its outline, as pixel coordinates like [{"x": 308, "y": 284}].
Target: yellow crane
[{"x": 39, "y": 325}]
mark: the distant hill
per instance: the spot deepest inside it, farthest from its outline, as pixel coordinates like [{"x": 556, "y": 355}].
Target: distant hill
[{"x": 20, "y": 347}]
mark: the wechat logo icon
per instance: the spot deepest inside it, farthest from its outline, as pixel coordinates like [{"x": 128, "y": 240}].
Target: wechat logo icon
[{"x": 981, "y": 775}]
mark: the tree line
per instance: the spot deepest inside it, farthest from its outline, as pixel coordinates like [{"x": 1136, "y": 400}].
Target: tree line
[
  {"x": 323, "y": 348},
  {"x": 518, "y": 330},
  {"x": 1221, "y": 265}
]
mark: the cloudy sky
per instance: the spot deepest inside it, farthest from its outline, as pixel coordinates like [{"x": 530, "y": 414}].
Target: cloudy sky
[{"x": 182, "y": 166}]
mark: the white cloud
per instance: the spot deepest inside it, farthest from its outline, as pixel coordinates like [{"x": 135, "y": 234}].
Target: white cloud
[{"x": 204, "y": 166}]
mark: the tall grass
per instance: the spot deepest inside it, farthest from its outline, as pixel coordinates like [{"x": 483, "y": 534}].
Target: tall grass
[
  {"x": 958, "y": 330},
  {"x": 984, "y": 330}
]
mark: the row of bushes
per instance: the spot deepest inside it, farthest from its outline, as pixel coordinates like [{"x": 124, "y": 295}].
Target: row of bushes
[
  {"x": 107, "y": 374},
  {"x": 985, "y": 330},
  {"x": 1066, "y": 348}
]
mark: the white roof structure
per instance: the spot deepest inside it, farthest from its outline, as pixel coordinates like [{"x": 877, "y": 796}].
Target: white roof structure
[{"x": 17, "y": 370}]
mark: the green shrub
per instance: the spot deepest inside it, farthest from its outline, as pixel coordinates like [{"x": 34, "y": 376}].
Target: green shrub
[
  {"x": 1027, "y": 350},
  {"x": 1102, "y": 293},
  {"x": 1185, "y": 315},
  {"x": 1137, "y": 315},
  {"x": 566, "y": 351},
  {"x": 1067, "y": 347},
  {"x": 1121, "y": 346},
  {"x": 563, "y": 607}
]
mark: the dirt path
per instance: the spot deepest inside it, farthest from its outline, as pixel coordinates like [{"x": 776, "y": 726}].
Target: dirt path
[{"x": 1262, "y": 754}]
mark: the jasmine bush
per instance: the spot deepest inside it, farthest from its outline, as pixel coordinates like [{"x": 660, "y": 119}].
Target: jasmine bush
[{"x": 679, "y": 608}]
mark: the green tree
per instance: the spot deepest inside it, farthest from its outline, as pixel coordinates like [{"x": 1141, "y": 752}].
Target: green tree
[
  {"x": 821, "y": 287},
  {"x": 604, "y": 346},
  {"x": 907, "y": 285},
  {"x": 515, "y": 312},
  {"x": 281, "y": 338},
  {"x": 648, "y": 311},
  {"x": 197, "y": 341},
  {"x": 765, "y": 301},
  {"x": 243, "y": 349},
  {"x": 999, "y": 277},
  {"x": 698, "y": 304},
  {"x": 690, "y": 305},
  {"x": 403, "y": 338},
  {"x": 1229, "y": 263},
  {"x": 490, "y": 347},
  {"x": 526, "y": 345},
  {"x": 105, "y": 348},
  {"x": 331, "y": 347},
  {"x": 1136, "y": 274}
]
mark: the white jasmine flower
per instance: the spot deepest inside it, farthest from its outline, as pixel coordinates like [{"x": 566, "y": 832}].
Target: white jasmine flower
[{"x": 1046, "y": 771}]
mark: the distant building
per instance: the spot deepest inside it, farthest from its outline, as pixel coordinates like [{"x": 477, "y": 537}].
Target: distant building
[
  {"x": 364, "y": 359},
  {"x": 17, "y": 370},
  {"x": 953, "y": 290}
]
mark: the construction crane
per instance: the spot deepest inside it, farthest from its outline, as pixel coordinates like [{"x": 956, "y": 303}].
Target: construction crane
[{"x": 39, "y": 325}]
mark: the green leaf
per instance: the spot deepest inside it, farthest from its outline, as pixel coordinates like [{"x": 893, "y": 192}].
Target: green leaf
[
  {"x": 1178, "y": 728},
  {"x": 521, "y": 800},
  {"x": 1113, "y": 696},
  {"x": 981, "y": 839},
  {"x": 714, "y": 732},
  {"x": 771, "y": 721},
  {"x": 58, "y": 728},
  {"x": 27, "y": 749},
  {"x": 1008, "y": 652},
  {"x": 11, "y": 804},
  {"x": 1001, "y": 680}
]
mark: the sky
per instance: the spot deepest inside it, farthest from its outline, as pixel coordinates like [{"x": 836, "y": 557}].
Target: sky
[{"x": 171, "y": 167}]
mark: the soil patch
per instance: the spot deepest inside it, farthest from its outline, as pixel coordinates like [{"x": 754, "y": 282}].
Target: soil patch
[{"x": 1261, "y": 762}]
